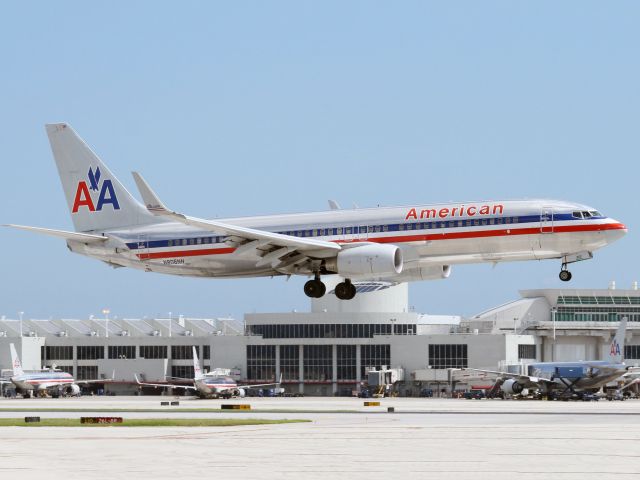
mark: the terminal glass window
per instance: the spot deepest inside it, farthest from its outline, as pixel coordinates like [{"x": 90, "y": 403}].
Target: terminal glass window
[
  {"x": 183, "y": 371},
  {"x": 632, "y": 351},
  {"x": 206, "y": 352},
  {"x": 289, "y": 362},
  {"x": 122, "y": 351},
  {"x": 87, "y": 372},
  {"x": 448, "y": 355},
  {"x": 526, "y": 351},
  {"x": 318, "y": 363},
  {"x": 374, "y": 356},
  {"x": 153, "y": 351},
  {"x": 183, "y": 352},
  {"x": 58, "y": 353},
  {"x": 261, "y": 362},
  {"x": 329, "y": 330},
  {"x": 346, "y": 362},
  {"x": 90, "y": 352}
]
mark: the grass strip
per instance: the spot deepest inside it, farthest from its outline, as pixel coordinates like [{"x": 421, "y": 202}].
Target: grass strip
[{"x": 147, "y": 422}]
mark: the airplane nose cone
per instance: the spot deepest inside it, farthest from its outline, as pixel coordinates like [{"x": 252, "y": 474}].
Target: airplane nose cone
[{"x": 615, "y": 230}]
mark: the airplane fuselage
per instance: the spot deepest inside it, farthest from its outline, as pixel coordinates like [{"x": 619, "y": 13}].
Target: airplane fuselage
[
  {"x": 436, "y": 235},
  {"x": 217, "y": 386},
  {"x": 42, "y": 380}
]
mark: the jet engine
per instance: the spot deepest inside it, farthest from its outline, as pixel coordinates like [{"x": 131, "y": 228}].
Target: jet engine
[
  {"x": 373, "y": 260},
  {"x": 431, "y": 272},
  {"x": 242, "y": 393},
  {"x": 512, "y": 387},
  {"x": 73, "y": 390}
]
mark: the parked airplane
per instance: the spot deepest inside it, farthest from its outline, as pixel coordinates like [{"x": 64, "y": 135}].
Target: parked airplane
[
  {"x": 46, "y": 382},
  {"x": 211, "y": 384},
  {"x": 391, "y": 243},
  {"x": 567, "y": 378}
]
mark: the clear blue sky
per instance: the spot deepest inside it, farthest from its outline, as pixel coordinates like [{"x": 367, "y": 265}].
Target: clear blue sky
[{"x": 240, "y": 108}]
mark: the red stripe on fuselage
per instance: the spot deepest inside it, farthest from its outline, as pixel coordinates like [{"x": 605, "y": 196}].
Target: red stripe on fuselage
[
  {"x": 415, "y": 238},
  {"x": 185, "y": 253}
]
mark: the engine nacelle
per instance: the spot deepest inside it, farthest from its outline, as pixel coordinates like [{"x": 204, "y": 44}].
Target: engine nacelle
[
  {"x": 512, "y": 387},
  {"x": 241, "y": 392},
  {"x": 73, "y": 390},
  {"x": 370, "y": 261},
  {"x": 431, "y": 272}
]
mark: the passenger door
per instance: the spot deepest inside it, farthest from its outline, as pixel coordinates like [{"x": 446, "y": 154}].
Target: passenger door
[{"x": 546, "y": 220}]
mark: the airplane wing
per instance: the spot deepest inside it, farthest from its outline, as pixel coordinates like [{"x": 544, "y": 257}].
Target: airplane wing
[
  {"x": 526, "y": 380},
  {"x": 262, "y": 384},
  {"x": 75, "y": 236},
  {"x": 256, "y": 238},
  {"x": 165, "y": 385}
]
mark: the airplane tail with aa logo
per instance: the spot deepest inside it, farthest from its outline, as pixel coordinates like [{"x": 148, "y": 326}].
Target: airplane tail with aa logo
[
  {"x": 97, "y": 200},
  {"x": 616, "y": 349},
  {"x": 15, "y": 361}
]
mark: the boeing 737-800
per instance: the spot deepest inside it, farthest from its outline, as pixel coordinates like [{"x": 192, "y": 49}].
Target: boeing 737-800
[{"x": 398, "y": 244}]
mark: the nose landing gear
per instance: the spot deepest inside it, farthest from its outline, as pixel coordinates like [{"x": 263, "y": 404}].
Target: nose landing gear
[{"x": 565, "y": 275}]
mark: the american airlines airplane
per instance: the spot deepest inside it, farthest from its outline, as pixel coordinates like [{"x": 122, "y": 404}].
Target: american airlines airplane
[
  {"x": 400, "y": 244},
  {"x": 47, "y": 382},
  {"x": 211, "y": 384},
  {"x": 568, "y": 378}
]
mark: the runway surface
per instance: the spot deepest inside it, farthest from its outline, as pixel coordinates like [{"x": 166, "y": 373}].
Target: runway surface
[{"x": 486, "y": 439}]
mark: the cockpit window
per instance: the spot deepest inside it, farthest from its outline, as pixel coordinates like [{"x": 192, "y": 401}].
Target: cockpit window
[
  {"x": 586, "y": 214},
  {"x": 577, "y": 214},
  {"x": 595, "y": 213}
]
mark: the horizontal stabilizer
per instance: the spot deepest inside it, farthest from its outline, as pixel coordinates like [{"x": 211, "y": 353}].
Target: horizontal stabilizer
[{"x": 77, "y": 237}]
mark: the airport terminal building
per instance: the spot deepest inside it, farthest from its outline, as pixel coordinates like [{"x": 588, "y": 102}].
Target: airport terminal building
[{"x": 328, "y": 350}]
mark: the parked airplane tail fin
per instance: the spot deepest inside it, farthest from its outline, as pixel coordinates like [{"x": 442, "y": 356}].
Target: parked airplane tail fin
[
  {"x": 97, "y": 200},
  {"x": 197, "y": 371},
  {"x": 15, "y": 361},
  {"x": 616, "y": 351}
]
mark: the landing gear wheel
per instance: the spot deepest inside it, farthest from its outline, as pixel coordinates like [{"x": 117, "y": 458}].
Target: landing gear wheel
[
  {"x": 345, "y": 290},
  {"x": 565, "y": 275},
  {"x": 315, "y": 288}
]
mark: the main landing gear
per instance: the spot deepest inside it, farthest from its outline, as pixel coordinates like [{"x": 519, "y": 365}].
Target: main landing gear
[
  {"x": 315, "y": 288},
  {"x": 345, "y": 290},
  {"x": 565, "y": 275}
]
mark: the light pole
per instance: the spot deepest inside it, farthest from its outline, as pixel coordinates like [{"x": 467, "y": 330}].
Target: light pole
[
  {"x": 105, "y": 312},
  {"x": 553, "y": 321},
  {"x": 20, "y": 314}
]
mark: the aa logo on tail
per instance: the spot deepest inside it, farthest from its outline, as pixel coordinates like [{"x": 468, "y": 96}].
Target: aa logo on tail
[
  {"x": 615, "y": 348},
  {"x": 83, "y": 196}
]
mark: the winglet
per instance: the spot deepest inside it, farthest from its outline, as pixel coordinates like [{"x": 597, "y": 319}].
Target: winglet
[
  {"x": 137, "y": 379},
  {"x": 149, "y": 197},
  {"x": 333, "y": 205}
]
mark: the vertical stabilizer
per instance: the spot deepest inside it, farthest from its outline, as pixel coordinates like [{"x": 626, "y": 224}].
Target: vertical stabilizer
[
  {"x": 15, "y": 361},
  {"x": 616, "y": 350},
  {"x": 96, "y": 199},
  {"x": 196, "y": 366}
]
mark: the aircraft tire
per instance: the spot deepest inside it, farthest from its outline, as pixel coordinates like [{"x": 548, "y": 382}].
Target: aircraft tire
[
  {"x": 565, "y": 275},
  {"x": 314, "y": 288},
  {"x": 345, "y": 290}
]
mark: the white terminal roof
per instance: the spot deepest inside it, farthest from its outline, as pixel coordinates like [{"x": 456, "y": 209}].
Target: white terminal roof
[{"x": 128, "y": 327}]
